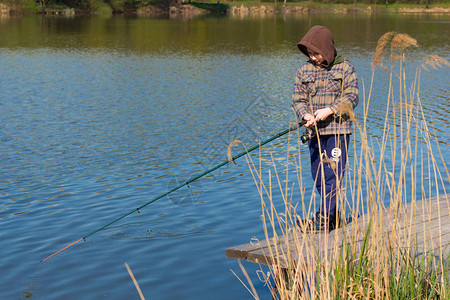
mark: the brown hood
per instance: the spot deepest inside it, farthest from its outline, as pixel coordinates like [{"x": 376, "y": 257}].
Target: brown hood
[{"x": 319, "y": 39}]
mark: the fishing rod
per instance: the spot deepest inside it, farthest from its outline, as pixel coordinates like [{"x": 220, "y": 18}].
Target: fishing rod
[{"x": 292, "y": 128}]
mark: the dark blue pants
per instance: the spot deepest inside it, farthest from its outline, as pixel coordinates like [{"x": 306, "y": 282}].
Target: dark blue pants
[{"x": 335, "y": 147}]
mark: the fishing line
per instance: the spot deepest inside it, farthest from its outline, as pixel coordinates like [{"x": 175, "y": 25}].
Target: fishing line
[{"x": 293, "y": 128}]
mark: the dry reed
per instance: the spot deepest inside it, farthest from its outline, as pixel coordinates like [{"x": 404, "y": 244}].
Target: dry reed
[
  {"x": 383, "y": 41},
  {"x": 230, "y": 147},
  {"x": 387, "y": 252},
  {"x": 136, "y": 285}
]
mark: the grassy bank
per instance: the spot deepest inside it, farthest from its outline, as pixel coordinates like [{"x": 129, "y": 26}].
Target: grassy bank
[
  {"x": 186, "y": 6},
  {"x": 368, "y": 263}
]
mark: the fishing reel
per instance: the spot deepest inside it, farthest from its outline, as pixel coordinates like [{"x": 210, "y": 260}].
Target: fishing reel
[{"x": 307, "y": 135}]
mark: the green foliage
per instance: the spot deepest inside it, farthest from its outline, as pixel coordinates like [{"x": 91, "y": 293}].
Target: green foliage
[
  {"x": 121, "y": 6},
  {"x": 132, "y": 5},
  {"x": 117, "y": 5},
  {"x": 100, "y": 7},
  {"x": 211, "y": 6},
  {"x": 25, "y": 6},
  {"x": 29, "y": 6},
  {"x": 80, "y": 4}
]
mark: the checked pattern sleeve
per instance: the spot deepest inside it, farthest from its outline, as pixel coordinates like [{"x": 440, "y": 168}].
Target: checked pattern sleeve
[{"x": 337, "y": 88}]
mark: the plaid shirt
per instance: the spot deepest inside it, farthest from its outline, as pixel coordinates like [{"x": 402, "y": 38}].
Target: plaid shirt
[{"x": 336, "y": 87}]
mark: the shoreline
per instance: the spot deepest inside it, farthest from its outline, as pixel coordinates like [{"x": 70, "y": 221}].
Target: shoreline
[
  {"x": 341, "y": 9},
  {"x": 190, "y": 9}
]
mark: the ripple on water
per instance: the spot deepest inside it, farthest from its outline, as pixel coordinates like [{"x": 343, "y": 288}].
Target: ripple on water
[{"x": 89, "y": 133}]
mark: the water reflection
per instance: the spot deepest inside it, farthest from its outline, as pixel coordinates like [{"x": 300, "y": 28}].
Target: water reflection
[{"x": 205, "y": 34}]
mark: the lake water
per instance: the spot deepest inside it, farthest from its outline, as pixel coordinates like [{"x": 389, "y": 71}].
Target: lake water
[{"x": 100, "y": 115}]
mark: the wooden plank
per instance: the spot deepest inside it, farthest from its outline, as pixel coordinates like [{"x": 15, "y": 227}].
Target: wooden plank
[
  {"x": 429, "y": 221},
  {"x": 241, "y": 251},
  {"x": 282, "y": 253},
  {"x": 265, "y": 255},
  {"x": 361, "y": 223}
]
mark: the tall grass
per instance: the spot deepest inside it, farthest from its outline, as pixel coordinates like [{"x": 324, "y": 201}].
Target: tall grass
[{"x": 391, "y": 249}]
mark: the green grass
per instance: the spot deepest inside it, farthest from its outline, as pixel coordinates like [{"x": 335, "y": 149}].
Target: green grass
[
  {"x": 106, "y": 7},
  {"x": 320, "y": 6}
]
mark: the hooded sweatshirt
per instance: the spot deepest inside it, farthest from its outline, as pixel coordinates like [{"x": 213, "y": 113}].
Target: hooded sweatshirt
[
  {"x": 319, "y": 39},
  {"x": 333, "y": 84}
]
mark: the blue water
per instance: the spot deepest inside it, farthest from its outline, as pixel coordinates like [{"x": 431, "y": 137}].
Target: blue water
[{"x": 94, "y": 125}]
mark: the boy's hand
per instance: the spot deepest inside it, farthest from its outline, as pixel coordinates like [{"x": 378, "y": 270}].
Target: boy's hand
[
  {"x": 309, "y": 120},
  {"x": 322, "y": 114}
]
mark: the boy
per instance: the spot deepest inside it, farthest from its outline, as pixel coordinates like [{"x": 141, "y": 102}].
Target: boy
[{"x": 325, "y": 93}]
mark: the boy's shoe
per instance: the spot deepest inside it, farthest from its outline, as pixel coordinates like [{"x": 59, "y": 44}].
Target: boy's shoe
[{"x": 319, "y": 223}]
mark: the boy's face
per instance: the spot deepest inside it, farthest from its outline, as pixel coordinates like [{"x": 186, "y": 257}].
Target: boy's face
[{"x": 316, "y": 57}]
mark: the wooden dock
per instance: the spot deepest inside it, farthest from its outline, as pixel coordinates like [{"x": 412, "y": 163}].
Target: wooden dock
[{"x": 422, "y": 224}]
